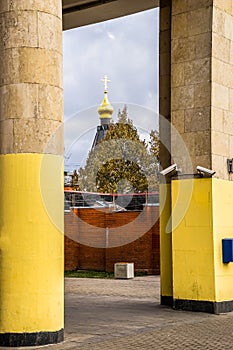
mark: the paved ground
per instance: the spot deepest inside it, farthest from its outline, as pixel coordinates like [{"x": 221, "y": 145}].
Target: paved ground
[{"x": 126, "y": 315}]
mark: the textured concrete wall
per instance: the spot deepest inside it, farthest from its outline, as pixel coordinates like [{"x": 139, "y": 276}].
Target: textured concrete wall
[
  {"x": 31, "y": 95},
  {"x": 201, "y": 83},
  {"x": 222, "y": 87},
  {"x": 191, "y": 80}
]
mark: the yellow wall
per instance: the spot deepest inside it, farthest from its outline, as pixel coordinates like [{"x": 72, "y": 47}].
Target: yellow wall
[
  {"x": 165, "y": 240},
  {"x": 223, "y": 228},
  {"x": 192, "y": 239},
  {"x": 31, "y": 243}
]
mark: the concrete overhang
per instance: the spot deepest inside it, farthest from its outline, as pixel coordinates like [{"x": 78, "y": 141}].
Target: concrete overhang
[{"x": 77, "y": 13}]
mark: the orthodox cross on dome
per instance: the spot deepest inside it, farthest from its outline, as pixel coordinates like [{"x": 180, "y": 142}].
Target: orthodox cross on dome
[{"x": 105, "y": 80}]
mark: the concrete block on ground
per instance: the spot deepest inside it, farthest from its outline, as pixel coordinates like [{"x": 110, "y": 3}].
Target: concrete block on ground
[{"x": 124, "y": 270}]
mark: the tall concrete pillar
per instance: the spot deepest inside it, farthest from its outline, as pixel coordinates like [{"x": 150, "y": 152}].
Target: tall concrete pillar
[
  {"x": 202, "y": 84},
  {"x": 165, "y": 150},
  {"x": 191, "y": 55},
  {"x": 202, "y": 112},
  {"x": 31, "y": 215}
]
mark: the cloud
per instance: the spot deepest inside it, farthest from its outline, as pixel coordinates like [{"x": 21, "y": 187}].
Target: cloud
[
  {"x": 131, "y": 61},
  {"x": 126, "y": 49},
  {"x": 111, "y": 36}
]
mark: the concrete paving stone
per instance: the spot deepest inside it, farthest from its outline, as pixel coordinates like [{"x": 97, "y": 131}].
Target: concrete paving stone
[{"x": 103, "y": 314}]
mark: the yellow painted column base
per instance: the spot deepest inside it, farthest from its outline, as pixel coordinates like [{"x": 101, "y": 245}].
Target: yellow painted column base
[
  {"x": 31, "y": 249},
  {"x": 201, "y": 218},
  {"x": 166, "y": 292}
]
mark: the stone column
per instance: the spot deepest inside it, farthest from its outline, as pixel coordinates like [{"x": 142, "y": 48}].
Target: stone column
[
  {"x": 165, "y": 150},
  {"x": 31, "y": 195},
  {"x": 165, "y": 81},
  {"x": 202, "y": 112},
  {"x": 191, "y": 81},
  {"x": 202, "y": 82},
  {"x": 222, "y": 87}
]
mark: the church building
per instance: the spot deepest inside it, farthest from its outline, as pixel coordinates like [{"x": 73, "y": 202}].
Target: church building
[{"x": 105, "y": 111}]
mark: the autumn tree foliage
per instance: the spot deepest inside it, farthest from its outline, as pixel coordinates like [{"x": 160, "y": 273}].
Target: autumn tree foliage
[{"x": 121, "y": 162}]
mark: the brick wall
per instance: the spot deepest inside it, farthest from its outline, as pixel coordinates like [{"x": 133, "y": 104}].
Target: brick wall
[{"x": 122, "y": 232}]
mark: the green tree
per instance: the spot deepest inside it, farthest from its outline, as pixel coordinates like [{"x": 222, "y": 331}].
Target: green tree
[
  {"x": 154, "y": 144},
  {"x": 121, "y": 162},
  {"x": 153, "y": 162},
  {"x": 75, "y": 180}
]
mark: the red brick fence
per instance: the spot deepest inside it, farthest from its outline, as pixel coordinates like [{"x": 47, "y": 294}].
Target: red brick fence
[{"x": 97, "y": 239}]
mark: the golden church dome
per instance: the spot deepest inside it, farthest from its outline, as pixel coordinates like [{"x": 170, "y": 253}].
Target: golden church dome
[{"x": 105, "y": 110}]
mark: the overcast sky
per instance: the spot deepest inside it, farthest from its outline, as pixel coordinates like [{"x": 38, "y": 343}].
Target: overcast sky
[{"x": 126, "y": 49}]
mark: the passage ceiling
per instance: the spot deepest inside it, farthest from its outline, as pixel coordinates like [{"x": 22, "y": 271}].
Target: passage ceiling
[{"x": 77, "y": 13}]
